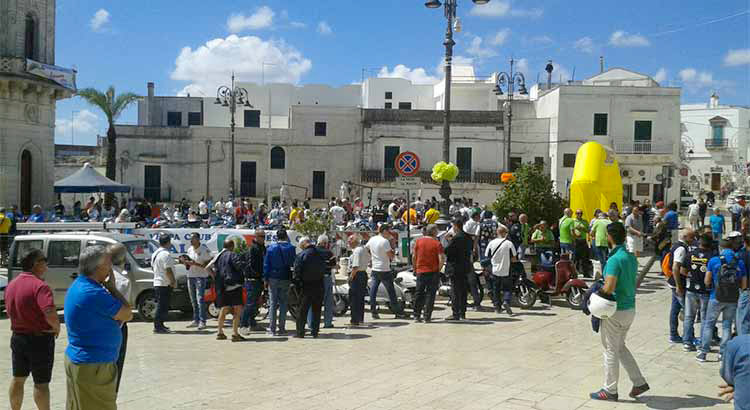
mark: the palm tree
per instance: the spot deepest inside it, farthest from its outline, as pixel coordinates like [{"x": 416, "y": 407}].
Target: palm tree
[{"x": 112, "y": 106}]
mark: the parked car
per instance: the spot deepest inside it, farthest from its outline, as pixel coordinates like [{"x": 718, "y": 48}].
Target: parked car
[{"x": 63, "y": 251}]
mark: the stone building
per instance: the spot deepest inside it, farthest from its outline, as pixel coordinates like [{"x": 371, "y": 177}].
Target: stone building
[{"x": 27, "y": 101}]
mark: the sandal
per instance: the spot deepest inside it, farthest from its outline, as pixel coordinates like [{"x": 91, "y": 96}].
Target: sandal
[{"x": 221, "y": 336}]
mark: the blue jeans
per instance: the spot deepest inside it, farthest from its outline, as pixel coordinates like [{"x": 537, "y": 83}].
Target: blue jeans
[
  {"x": 327, "y": 303},
  {"x": 567, "y": 248},
  {"x": 728, "y": 311},
  {"x": 278, "y": 291},
  {"x": 387, "y": 279},
  {"x": 197, "y": 290},
  {"x": 743, "y": 313},
  {"x": 254, "y": 287},
  {"x": 693, "y": 302},
  {"x": 357, "y": 292},
  {"x": 602, "y": 253},
  {"x": 674, "y": 314}
]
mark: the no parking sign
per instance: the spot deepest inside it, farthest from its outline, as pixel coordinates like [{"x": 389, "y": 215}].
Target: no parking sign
[{"x": 407, "y": 164}]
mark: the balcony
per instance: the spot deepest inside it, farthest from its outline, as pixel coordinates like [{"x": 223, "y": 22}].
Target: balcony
[
  {"x": 717, "y": 144},
  {"x": 377, "y": 176},
  {"x": 644, "y": 147}
]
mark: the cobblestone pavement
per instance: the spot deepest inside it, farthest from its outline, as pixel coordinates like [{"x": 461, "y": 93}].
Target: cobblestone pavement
[{"x": 539, "y": 359}]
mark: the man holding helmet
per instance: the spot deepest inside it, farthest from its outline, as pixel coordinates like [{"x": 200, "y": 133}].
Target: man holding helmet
[{"x": 619, "y": 281}]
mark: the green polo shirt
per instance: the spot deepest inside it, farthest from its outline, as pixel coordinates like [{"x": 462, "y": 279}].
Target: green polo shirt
[
  {"x": 600, "y": 231},
  {"x": 566, "y": 224},
  {"x": 549, "y": 238},
  {"x": 581, "y": 228},
  {"x": 624, "y": 266}
]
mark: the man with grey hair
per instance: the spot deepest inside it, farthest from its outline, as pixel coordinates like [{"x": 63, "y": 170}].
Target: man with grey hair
[
  {"x": 309, "y": 270},
  {"x": 427, "y": 261},
  {"x": 358, "y": 278},
  {"x": 94, "y": 312},
  {"x": 323, "y": 248}
]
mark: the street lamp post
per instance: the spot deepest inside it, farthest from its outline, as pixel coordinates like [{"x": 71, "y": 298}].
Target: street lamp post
[
  {"x": 230, "y": 97},
  {"x": 508, "y": 81},
  {"x": 450, "y": 7}
]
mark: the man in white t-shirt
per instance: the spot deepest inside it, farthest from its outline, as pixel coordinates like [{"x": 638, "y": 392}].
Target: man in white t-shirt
[
  {"x": 199, "y": 256},
  {"x": 338, "y": 213},
  {"x": 382, "y": 253},
  {"x": 693, "y": 212},
  {"x": 393, "y": 210},
  {"x": 501, "y": 253},
  {"x": 203, "y": 209},
  {"x": 219, "y": 206},
  {"x": 163, "y": 264}
]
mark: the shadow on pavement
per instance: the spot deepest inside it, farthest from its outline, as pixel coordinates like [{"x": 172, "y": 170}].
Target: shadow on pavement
[
  {"x": 525, "y": 313},
  {"x": 192, "y": 332},
  {"x": 693, "y": 401},
  {"x": 264, "y": 339},
  {"x": 341, "y": 336},
  {"x": 475, "y": 322},
  {"x": 494, "y": 319},
  {"x": 374, "y": 325}
]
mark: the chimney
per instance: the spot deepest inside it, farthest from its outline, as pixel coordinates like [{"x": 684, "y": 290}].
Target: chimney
[
  {"x": 150, "y": 87},
  {"x": 549, "y": 70},
  {"x": 601, "y": 64},
  {"x": 713, "y": 102}
]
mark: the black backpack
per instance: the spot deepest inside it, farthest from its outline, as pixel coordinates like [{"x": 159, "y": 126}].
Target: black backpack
[
  {"x": 727, "y": 288},
  {"x": 697, "y": 270}
]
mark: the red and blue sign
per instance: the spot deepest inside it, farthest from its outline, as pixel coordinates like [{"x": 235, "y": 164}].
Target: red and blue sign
[{"x": 407, "y": 164}]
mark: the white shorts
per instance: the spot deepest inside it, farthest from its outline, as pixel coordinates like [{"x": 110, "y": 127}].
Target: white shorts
[{"x": 635, "y": 244}]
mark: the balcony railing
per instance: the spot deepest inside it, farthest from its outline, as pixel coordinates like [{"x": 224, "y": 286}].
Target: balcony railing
[
  {"x": 643, "y": 147},
  {"x": 717, "y": 144},
  {"x": 380, "y": 176}
]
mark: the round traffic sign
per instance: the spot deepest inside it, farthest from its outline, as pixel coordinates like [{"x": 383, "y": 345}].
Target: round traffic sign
[{"x": 407, "y": 164}]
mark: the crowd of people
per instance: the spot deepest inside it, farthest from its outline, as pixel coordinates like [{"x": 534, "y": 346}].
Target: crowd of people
[{"x": 97, "y": 309}]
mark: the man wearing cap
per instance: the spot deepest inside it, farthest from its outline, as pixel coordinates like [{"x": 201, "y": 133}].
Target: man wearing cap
[
  {"x": 163, "y": 264},
  {"x": 619, "y": 281}
]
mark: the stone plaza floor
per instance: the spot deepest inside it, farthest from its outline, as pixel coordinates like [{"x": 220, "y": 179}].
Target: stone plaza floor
[{"x": 544, "y": 358}]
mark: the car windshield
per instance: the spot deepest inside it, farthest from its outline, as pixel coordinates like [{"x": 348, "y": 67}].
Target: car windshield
[{"x": 141, "y": 250}]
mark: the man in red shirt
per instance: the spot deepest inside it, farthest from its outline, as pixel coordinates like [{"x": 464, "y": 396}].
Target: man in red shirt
[
  {"x": 428, "y": 259},
  {"x": 34, "y": 322}
]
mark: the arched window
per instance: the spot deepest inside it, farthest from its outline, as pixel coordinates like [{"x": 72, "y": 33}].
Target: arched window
[
  {"x": 30, "y": 37},
  {"x": 278, "y": 158}
]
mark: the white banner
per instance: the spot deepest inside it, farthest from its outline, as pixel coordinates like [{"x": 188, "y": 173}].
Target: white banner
[{"x": 63, "y": 76}]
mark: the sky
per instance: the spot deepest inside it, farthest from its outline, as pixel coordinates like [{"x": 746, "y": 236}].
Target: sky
[{"x": 192, "y": 46}]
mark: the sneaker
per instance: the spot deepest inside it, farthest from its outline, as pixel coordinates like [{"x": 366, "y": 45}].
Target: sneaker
[
  {"x": 202, "y": 326},
  {"x": 162, "y": 331},
  {"x": 675, "y": 340},
  {"x": 193, "y": 324},
  {"x": 507, "y": 308},
  {"x": 270, "y": 332},
  {"x": 701, "y": 357},
  {"x": 245, "y": 331},
  {"x": 237, "y": 338},
  {"x": 453, "y": 318},
  {"x": 418, "y": 319},
  {"x": 375, "y": 315},
  {"x": 689, "y": 347},
  {"x": 638, "y": 390},
  {"x": 282, "y": 332},
  {"x": 603, "y": 395},
  {"x": 498, "y": 309},
  {"x": 221, "y": 336}
]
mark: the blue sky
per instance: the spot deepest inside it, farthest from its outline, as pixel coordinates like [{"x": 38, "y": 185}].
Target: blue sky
[{"x": 192, "y": 46}]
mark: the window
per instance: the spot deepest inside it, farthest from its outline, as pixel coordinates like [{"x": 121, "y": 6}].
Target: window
[
  {"x": 600, "y": 124},
  {"x": 515, "y": 163},
  {"x": 717, "y": 132},
  {"x": 642, "y": 131},
  {"x": 248, "y": 178},
  {"x": 539, "y": 161},
  {"x": 63, "y": 253},
  {"x": 389, "y": 161},
  {"x": 388, "y": 106},
  {"x": 21, "y": 248},
  {"x": 252, "y": 118},
  {"x": 389, "y": 95},
  {"x": 463, "y": 162},
  {"x": 642, "y": 189},
  {"x": 277, "y": 158},
  {"x": 152, "y": 182},
  {"x": 319, "y": 185},
  {"x": 194, "y": 118},
  {"x": 174, "y": 119},
  {"x": 30, "y": 38},
  {"x": 404, "y": 106},
  {"x": 569, "y": 160},
  {"x": 321, "y": 129}
]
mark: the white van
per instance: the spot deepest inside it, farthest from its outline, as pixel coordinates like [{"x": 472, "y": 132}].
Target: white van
[{"x": 63, "y": 251}]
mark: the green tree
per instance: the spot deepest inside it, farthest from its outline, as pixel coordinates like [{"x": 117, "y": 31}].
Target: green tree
[
  {"x": 112, "y": 106},
  {"x": 314, "y": 226},
  {"x": 530, "y": 192}
]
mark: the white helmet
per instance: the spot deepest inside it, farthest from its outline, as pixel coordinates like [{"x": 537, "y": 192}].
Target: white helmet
[{"x": 602, "y": 306}]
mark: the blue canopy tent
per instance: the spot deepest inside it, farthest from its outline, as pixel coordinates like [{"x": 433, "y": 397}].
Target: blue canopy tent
[{"x": 87, "y": 180}]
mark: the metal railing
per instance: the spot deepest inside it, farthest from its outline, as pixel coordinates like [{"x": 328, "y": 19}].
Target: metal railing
[
  {"x": 464, "y": 176},
  {"x": 643, "y": 147},
  {"x": 715, "y": 143}
]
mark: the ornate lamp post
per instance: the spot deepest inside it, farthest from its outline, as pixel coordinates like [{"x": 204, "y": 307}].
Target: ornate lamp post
[
  {"x": 450, "y": 15},
  {"x": 508, "y": 81},
  {"x": 230, "y": 97}
]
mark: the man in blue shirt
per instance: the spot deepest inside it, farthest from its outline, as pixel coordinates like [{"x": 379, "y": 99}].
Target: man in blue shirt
[
  {"x": 672, "y": 220},
  {"x": 718, "y": 224},
  {"x": 728, "y": 310},
  {"x": 94, "y": 310},
  {"x": 735, "y": 370},
  {"x": 277, "y": 269},
  {"x": 36, "y": 214},
  {"x": 743, "y": 303}
]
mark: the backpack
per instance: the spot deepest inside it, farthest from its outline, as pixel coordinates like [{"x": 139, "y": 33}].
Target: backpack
[
  {"x": 668, "y": 261},
  {"x": 727, "y": 288},
  {"x": 697, "y": 270}
]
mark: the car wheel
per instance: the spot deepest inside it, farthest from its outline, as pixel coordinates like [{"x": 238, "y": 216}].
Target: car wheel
[{"x": 147, "y": 305}]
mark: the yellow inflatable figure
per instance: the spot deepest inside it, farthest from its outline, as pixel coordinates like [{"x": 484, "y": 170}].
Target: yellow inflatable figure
[{"x": 596, "y": 180}]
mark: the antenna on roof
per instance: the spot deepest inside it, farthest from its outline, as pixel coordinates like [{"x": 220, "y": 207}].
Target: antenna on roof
[
  {"x": 601, "y": 64},
  {"x": 573, "y": 77}
]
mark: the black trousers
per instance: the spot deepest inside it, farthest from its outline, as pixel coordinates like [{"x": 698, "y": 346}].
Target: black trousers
[
  {"x": 123, "y": 351},
  {"x": 312, "y": 297},
  {"x": 459, "y": 293},
  {"x": 357, "y": 292},
  {"x": 427, "y": 285},
  {"x": 474, "y": 285},
  {"x": 163, "y": 294}
]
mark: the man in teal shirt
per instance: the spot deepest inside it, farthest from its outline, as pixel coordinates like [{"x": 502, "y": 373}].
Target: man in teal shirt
[
  {"x": 566, "y": 227},
  {"x": 619, "y": 281}
]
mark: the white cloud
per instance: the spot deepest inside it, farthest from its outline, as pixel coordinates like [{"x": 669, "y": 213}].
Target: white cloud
[
  {"x": 693, "y": 79},
  {"x": 475, "y": 49},
  {"x": 100, "y": 20},
  {"x": 85, "y": 125},
  {"x": 500, "y": 37},
  {"x": 298, "y": 24},
  {"x": 212, "y": 63},
  {"x": 262, "y": 18},
  {"x": 417, "y": 75},
  {"x": 522, "y": 66},
  {"x": 661, "y": 75},
  {"x": 503, "y": 8},
  {"x": 584, "y": 44},
  {"x": 324, "y": 29},
  {"x": 539, "y": 40},
  {"x": 737, "y": 57},
  {"x": 621, "y": 38}
]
